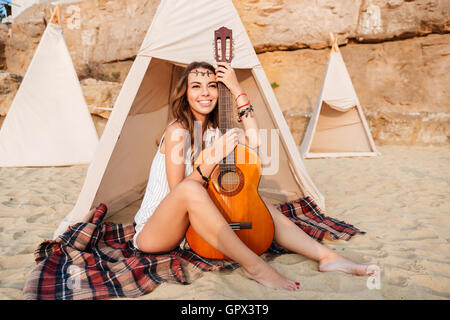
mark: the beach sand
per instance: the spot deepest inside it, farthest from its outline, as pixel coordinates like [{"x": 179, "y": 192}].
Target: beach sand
[{"x": 400, "y": 198}]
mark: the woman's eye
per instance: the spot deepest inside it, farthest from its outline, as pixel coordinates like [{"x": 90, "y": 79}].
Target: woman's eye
[{"x": 195, "y": 86}]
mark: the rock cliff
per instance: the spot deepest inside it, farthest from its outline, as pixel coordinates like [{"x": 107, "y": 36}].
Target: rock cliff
[{"x": 397, "y": 54}]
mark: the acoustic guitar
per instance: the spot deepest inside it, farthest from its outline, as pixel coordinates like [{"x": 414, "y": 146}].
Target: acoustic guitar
[{"x": 233, "y": 185}]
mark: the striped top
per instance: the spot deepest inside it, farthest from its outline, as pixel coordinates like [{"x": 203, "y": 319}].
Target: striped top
[{"x": 158, "y": 186}]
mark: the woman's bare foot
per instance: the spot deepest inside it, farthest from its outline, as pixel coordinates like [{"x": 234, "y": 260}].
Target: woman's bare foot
[
  {"x": 338, "y": 263},
  {"x": 269, "y": 277}
]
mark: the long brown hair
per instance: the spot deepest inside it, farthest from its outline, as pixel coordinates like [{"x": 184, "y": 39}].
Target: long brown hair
[{"x": 179, "y": 105}]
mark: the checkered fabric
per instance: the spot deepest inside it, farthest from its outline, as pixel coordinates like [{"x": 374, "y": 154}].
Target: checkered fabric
[{"x": 97, "y": 260}]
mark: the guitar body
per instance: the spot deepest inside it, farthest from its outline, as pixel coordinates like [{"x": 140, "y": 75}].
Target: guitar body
[{"x": 235, "y": 194}]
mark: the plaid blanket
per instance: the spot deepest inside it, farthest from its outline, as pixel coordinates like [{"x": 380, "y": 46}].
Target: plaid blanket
[{"x": 97, "y": 260}]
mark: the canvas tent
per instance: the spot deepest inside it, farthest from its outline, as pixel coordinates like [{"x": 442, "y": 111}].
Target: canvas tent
[
  {"x": 48, "y": 123},
  {"x": 337, "y": 127},
  {"x": 119, "y": 171}
]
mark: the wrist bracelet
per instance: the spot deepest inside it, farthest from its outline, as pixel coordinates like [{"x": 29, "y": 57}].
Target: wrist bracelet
[
  {"x": 245, "y": 113},
  {"x": 242, "y": 94},
  {"x": 203, "y": 177},
  {"x": 244, "y": 105}
]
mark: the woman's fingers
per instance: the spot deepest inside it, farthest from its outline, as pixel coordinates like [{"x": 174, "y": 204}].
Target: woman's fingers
[
  {"x": 225, "y": 144},
  {"x": 225, "y": 74},
  {"x": 229, "y": 142},
  {"x": 223, "y": 69},
  {"x": 223, "y": 64},
  {"x": 233, "y": 138}
]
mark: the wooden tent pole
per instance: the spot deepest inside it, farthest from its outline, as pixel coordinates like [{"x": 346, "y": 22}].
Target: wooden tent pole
[
  {"x": 334, "y": 45},
  {"x": 59, "y": 13},
  {"x": 53, "y": 15},
  {"x": 56, "y": 15}
]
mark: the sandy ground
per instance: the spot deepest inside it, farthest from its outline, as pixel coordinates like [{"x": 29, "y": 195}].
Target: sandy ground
[{"x": 401, "y": 199}]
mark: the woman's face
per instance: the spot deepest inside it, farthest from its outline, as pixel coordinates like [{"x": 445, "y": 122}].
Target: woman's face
[{"x": 202, "y": 92}]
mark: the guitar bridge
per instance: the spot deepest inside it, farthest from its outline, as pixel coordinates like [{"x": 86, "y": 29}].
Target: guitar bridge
[{"x": 240, "y": 225}]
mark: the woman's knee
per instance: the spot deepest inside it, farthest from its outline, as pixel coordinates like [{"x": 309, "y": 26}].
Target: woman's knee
[{"x": 192, "y": 190}]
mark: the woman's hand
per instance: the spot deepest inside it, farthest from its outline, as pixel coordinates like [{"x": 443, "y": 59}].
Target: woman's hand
[
  {"x": 223, "y": 146},
  {"x": 225, "y": 74}
]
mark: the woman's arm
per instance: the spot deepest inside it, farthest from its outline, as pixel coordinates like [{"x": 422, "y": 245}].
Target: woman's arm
[
  {"x": 226, "y": 74},
  {"x": 174, "y": 144}
]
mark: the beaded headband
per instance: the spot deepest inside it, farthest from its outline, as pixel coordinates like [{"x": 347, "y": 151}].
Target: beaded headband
[{"x": 202, "y": 73}]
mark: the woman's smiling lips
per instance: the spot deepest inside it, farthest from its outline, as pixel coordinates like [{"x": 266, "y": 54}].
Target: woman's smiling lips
[{"x": 205, "y": 103}]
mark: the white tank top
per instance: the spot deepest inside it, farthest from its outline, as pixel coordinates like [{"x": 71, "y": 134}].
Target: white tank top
[{"x": 158, "y": 186}]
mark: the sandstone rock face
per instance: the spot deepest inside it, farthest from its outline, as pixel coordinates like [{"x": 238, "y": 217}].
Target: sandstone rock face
[
  {"x": 292, "y": 24},
  {"x": 391, "y": 19},
  {"x": 25, "y": 37},
  {"x": 95, "y": 31},
  {"x": 115, "y": 71},
  {"x": 4, "y": 30},
  {"x": 396, "y": 51},
  {"x": 397, "y": 76},
  {"x": 112, "y": 30},
  {"x": 9, "y": 84},
  {"x": 402, "y": 86},
  {"x": 421, "y": 128},
  {"x": 100, "y": 94}
]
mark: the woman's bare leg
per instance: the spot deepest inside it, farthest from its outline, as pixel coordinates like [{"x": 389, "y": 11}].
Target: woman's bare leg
[
  {"x": 188, "y": 203},
  {"x": 292, "y": 238}
]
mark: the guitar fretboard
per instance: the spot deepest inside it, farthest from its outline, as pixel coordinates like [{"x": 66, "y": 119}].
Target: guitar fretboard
[{"x": 226, "y": 123}]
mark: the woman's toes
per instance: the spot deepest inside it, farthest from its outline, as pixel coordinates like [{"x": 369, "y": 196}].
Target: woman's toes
[
  {"x": 270, "y": 278},
  {"x": 372, "y": 269}
]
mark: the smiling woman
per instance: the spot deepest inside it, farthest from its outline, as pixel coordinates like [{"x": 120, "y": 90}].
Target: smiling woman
[{"x": 175, "y": 198}]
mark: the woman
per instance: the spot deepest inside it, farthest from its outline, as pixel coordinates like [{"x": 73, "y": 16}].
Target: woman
[{"x": 175, "y": 196}]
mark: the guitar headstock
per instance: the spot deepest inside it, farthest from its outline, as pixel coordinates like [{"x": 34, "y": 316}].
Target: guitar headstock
[{"x": 223, "y": 44}]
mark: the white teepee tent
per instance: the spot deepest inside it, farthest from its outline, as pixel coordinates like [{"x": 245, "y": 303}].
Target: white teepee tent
[
  {"x": 182, "y": 31},
  {"x": 337, "y": 127},
  {"x": 48, "y": 123}
]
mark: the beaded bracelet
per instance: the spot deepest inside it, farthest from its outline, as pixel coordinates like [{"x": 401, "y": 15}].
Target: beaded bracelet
[
  {"x": 245, "y": 113},
  {"x": 242, "y": 94},
  {"x": 243, "y": 105}
]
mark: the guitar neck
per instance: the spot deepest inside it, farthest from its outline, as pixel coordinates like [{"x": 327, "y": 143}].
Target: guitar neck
[{"x": 226, "y": 123}]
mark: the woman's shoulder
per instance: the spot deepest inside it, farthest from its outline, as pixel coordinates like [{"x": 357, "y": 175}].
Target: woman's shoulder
[
  {"x": 174, "y": 126},
  {"x": 175, "y": 131}
]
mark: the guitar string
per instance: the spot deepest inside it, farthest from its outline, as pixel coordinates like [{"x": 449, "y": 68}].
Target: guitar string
[
  {"x": 225, "y": 118},
  {"x": 225, "y": 124}
]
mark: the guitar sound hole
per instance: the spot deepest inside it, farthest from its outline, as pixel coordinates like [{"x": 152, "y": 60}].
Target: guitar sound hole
[{"x": 229, "y": 181}]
